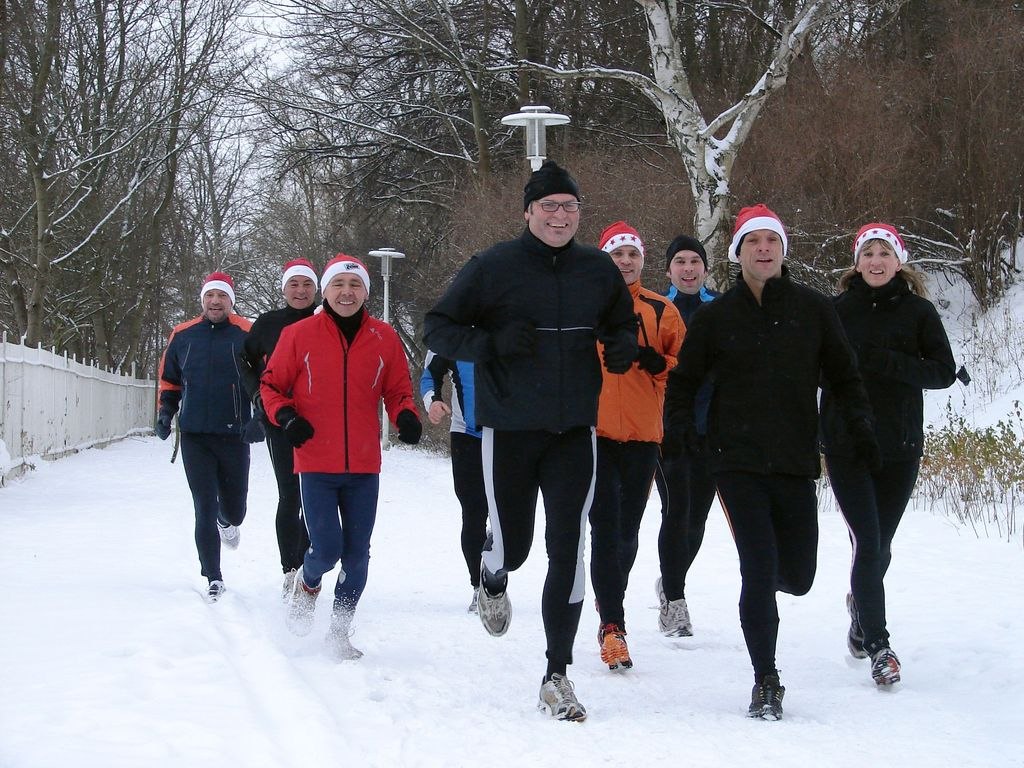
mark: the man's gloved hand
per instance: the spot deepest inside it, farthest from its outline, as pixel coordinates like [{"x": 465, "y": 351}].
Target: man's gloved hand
[
  {"x": 253, "y": 431},
  {"x": 257, "y": 405},
  {"x": 296, "y": 429},
  {"x": 619, "y": 354},
  {"x": 517, "y": 339},
  {"x": 865, "y": 445},
  {"x": 650, "y": 361},
  {"x": 163, "y": 425},
  {"x": 409, "y": 427}
]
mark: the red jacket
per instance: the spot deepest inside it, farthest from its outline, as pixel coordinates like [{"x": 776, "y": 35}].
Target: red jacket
[{"x": 338, "y": 387}]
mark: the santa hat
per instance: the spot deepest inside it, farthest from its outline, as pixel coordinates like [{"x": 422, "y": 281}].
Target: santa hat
[
  {"x": 752, "y": 218},
  {"x": 549, "y": 179},
  {"x": 619, "y": 234},
  {"x": 878, "y": 231},
  {"x": 298, "y": 268},
  {"x": 219, "y": 281},
  {"x": 342, "y": 264}
]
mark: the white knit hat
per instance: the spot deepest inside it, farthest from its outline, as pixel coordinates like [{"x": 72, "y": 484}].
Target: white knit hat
[
  {"x": 298, "y": 268},
  {"x": 341, "y": 264}
]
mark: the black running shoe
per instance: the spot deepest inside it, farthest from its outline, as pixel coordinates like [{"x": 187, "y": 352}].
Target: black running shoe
[
  {"x": 766, "y": 699},
  {"x": 855, "y": 636},
  {"x": 885, "y": 667}
]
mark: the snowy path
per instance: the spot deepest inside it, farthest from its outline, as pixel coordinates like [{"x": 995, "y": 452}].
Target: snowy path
[{"x": 110, "y": 658}]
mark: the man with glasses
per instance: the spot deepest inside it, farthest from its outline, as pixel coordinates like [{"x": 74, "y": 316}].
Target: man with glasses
[{"x": 527, "y": 312}]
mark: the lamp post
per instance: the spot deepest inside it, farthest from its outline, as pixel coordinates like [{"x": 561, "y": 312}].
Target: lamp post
[
  {"x": 386, "y": 255},
  {"x": 535, "y": 119}
]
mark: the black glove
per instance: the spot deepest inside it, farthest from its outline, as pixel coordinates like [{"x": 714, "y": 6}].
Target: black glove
[
  {"x": 682, "y": 440},
  {"x": 257, "y": 405},
  {"x": 517, "y": 339},
  {"x": 865, "y": 445},
  {"x": 296, "y": 429},
  {"x": 619, "y": 354},
  {"x": 651, "y": 361},
  {"x": 163, "y": 425},
  {"x": 409, "y": 427},
  {"x": 253, "y": 431}
]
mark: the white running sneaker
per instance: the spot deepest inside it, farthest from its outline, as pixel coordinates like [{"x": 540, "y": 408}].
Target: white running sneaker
[
  {"x": 558, "y": 699},
  {"x": 289, "y": 584},
  {"x": 301, "y": 606},
  {"x": 215, "y": 590},
  {"x": 473, "y": 602},
  {"x": 674, "y": 619},
  {"x": 229, "y": 535},
  {"x": 495, "y": 612},
  {"x": 339, "y": 646}
]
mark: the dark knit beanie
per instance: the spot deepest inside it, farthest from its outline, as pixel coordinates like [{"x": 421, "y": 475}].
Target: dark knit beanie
[
  {"x": 549, "y": 179},
  {"x": 685, "y": 243}
]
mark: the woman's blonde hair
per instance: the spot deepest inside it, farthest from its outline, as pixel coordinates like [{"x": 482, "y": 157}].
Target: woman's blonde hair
[{"x": 913, "y": 278}]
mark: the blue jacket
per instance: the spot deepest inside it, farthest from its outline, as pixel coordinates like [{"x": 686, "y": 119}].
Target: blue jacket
[
  {"x": 200, "y": 377},
  {"x": 432, "y": 381}
]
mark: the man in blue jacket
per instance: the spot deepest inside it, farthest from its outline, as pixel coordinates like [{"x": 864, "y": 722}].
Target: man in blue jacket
[
  {"x": 201, "y": 382},
  {"x": 467, "y": 459}
]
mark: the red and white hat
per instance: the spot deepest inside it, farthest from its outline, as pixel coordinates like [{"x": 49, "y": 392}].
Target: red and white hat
[
  {"x": 298, "y": 268},
  {"x": 219, "y": 281},
  {"x": 619, "y": 234},
  {"x": 751, "y": 218},
  {"x": 341, "y": 264},
  {"x": 879, "y": 231}
]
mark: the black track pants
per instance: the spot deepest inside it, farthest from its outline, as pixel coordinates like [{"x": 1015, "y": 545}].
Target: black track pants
[
  {"x": 774, "y": 520},
  {"x": 624, "y": 475},
  {"x": 872, "y": 504},
  {"x": 217, "y": 469},
  {"x": 292, "y": 539},
  {"x": 687, "y": 491},
  {"x": 468, "y": 474},
  {"x": 517, "y": 466}
]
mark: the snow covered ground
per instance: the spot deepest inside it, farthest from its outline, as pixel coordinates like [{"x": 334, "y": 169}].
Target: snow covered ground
[
  {"x": 109, "y": 656},
  {"x": 112, "y": 658}
]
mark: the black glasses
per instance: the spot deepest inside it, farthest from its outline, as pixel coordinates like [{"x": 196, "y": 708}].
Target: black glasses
[{"x": 570, "y": 206}]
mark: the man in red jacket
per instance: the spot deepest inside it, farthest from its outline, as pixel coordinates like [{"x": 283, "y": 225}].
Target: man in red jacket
[{"x": 323, "y": 386}]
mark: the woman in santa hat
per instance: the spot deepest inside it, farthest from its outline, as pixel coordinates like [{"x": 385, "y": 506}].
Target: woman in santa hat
[
  {"x": 901, "y": 349},
  {"x": 323, "y": 387}
]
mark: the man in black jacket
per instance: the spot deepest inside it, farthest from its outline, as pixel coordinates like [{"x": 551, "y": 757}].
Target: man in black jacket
[
  {"x": 298, "y": 284},
  {"x": 528, "y": 313},
  {"x": 764, "y": 346}
]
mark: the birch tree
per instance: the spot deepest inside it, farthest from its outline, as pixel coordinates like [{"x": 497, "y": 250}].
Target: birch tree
[{"x": 707, "y": 144}]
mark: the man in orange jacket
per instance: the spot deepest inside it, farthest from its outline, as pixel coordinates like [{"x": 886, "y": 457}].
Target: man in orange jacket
[{"x": 629, "y": 432}]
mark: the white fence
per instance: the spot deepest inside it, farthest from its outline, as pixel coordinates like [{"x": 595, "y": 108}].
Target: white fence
[{"x": 52, "y": 405}]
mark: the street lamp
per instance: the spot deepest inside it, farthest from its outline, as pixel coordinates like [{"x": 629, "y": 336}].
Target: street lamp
[
  {"x": 536, "y": 119},
  {"x": 386, "y": 255}
]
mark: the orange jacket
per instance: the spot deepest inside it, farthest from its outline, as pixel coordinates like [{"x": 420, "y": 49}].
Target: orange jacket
[{"x": 631, "y": 403}]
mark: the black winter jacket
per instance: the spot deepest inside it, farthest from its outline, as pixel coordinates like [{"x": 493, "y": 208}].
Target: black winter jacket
[
  {"x": 572, "y": 297},
  {"x": 764, "y": 363},
  {"x": 259, "y": 344},
  {"x": 901, "y": 349}
]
